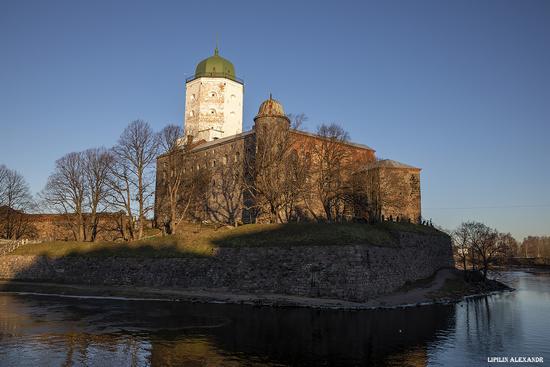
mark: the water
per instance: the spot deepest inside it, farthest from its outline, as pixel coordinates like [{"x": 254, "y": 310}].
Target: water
[{"x": 53, "y": 331}]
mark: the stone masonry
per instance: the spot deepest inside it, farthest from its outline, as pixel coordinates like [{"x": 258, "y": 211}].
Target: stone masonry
[{"x": 352, "y": 272}]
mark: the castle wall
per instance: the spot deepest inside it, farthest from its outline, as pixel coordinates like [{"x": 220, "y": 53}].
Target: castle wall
[
  {"x": 354, "y": 272},
  {"x": 227, "y": 161},
  {"x": 224, "y": 198},
  {"x": 56, "y": 227},
  {"x": 395, "y": 193}
]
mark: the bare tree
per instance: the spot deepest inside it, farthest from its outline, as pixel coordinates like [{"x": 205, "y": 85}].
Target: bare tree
[
  {"x": 227, "y": 188},
  {"x": 65, "y": 191},
  {"x": 120, "y": 195},
  {"x": 15, "y": 201},
  {"x": 136, "y": 150},
  {"x": 294, "y": 185},
  {"x": 173, "y": 174},
  {"x": 485, "y": 245},
  {"x": 192, "y": 199},
  {"x": 3, "y": 177},
  {"x": 508, "y": 245},
  {"x": 331, "y": 169},
  {"x": 266, "y": 179},
  {"x": 461, "y": 242},
  {"x": 536, "y": 246},
  {"x": 97, "y": 163},
  {"x": 297, "y": 121}
]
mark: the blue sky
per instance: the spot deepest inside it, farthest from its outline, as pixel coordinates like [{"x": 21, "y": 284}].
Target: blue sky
[{"x": 459, "y": 88}]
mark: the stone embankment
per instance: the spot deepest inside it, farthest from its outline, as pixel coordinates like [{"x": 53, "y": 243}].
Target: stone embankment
[
  {"x": 8, "y": 246},
  {"x": 355, "y": 273}
]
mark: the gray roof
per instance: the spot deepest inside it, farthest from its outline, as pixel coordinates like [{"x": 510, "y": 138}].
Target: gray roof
[
  {"x": 389, "y": 163},
  {"x": 362, "y": 146},
  {"x": 215, "y": 142},
  {"x": 227, "y": 139}
]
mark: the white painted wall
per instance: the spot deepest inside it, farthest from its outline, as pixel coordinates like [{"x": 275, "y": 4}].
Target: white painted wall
[{"x": 213, "y": 108}]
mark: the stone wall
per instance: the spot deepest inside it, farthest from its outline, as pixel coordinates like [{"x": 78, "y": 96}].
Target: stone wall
[
  {"x": 57, "y": 227},
  {"x": 352, "y": 272}
]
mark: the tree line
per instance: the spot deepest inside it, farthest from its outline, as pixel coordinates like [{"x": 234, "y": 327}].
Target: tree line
[
  {"x": 99, "y": 180},
  {"x": 86, "y": 184},
  {"x": 278, "y": 178},
  {"x": 15, "y": 200},
  {"x": 479, "y": 247}
]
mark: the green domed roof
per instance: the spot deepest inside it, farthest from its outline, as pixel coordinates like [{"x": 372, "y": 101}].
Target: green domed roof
[{"x": 215, "y": 66}]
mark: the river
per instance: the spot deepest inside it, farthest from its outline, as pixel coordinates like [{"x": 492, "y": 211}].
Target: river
[{"x": 55, "y": 331}]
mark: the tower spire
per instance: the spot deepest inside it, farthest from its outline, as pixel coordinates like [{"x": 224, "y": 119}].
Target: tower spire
[{"x": 216, "y": 49}]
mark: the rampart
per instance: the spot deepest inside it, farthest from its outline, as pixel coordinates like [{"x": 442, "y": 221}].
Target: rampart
[{"x": 348, "y": 272}]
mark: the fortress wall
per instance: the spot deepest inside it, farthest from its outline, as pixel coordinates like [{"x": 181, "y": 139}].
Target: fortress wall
[{"x": 352, "y": 272}]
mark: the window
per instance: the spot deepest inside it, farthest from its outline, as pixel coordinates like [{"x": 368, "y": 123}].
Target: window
[
  {"x": 225, "y": 159},
  {"x": 212, "y": 111},
  {"x": 213, "y": 163},
  {"x": 237, "y": 156},
  {"x": 212, "y": 94}
]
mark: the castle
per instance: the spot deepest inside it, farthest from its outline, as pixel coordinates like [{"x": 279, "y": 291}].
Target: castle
[{"x": 273, "y": 172}]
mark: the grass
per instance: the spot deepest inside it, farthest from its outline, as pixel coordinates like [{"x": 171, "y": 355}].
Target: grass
[{"x": 201, "y": 241}]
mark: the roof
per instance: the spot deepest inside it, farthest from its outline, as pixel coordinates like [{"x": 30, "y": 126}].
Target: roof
[
  {"x": 362, "y": 146},
  {"x": 271, "y": 108},
  {"x": 389, "y": 163},
  {"x": 215, "y": 142},
  {"x": 215, "y": 66}
]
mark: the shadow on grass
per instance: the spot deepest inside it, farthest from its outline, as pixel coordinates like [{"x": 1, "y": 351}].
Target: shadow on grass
[
  {"x": 161, "y": 247},
  {"x": 319, "y": 234},
  {"x": 201, "y": 241}
]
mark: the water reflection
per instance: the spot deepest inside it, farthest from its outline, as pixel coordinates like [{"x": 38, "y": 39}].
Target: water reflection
[{"x": 55, "y": 331}]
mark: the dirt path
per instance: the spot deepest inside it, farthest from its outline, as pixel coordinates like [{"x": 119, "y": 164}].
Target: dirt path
[{"x": 420, "y": 294}]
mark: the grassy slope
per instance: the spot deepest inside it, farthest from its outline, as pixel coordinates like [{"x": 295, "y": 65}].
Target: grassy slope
[{"x": 196, "y": 240}]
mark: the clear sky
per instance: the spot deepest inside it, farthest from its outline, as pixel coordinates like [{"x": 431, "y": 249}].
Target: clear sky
[{"x": 459, "y": 88}]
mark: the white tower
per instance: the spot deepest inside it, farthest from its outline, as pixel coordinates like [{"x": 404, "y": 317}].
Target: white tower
[{"x": 213, "y": 100}]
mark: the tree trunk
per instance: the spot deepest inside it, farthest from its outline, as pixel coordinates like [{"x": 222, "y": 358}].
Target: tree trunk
[{"x": 141, "y": 216}]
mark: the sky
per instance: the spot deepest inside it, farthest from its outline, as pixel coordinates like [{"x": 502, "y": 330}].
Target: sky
[{"x": 458, "y": 88}]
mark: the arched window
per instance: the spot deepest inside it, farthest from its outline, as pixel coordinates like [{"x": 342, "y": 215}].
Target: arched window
[
  {"x": 225, "y": 159},
  {"x": 237, "y": 156}
]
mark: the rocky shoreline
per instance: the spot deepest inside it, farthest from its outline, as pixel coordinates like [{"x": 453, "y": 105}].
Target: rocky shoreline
[{"x": 445, "y": 287}]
